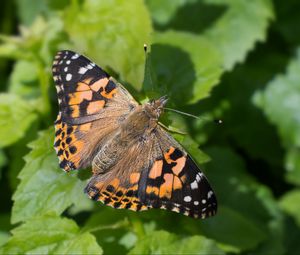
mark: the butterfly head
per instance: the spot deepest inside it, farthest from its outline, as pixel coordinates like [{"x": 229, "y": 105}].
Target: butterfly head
[{"x": 154, "y": 108}]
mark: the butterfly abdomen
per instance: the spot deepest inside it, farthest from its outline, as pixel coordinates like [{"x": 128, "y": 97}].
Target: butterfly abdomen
[{"x": 132, "y": 129}]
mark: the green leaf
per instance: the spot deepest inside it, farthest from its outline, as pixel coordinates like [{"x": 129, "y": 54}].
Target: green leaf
[
  {"x": 44, "y": 188},
  {"x": 280, "y": 102},
  {"x": 4, "y": 236},
  {"x": 288, "y": 20},
  {"x": 17, "y": 152},
  {"x": 292, "y": 165},
  {"x": 24, "y": 79},
  {"x": 241, "y": 118},
  {"x": 5, "y": 227},
  {"x": 16, "y": 115},
  {"x": 162, "y": 242},
  {"x": 111, "y": 229},
  {"x": 241, "y": 195},
  {"x": 236, "y": 32},
  {"x": 3, "y": 161},
  {"x": 193, "y": 148},
  {"x": 117, "y": 31},
  {"x": 245, "y": 234},
  {"x": 289, "y": 202},
  {"x": 163, "y": 11},
  {"x": 186, "y": 64},
  {"x": 28, "y": 10},
  {"x": 50, "y": 235}
]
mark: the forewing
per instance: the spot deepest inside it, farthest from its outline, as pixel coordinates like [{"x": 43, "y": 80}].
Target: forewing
[
  {"x": 156, "y": 173},
  {"x": 91, "y": 106}
]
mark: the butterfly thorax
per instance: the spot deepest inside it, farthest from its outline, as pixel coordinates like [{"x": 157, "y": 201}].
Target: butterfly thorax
[{"x": 136, "y": 128}]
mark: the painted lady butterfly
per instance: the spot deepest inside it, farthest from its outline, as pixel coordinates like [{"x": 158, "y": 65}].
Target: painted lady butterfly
[{"x": 136, "y": 164}]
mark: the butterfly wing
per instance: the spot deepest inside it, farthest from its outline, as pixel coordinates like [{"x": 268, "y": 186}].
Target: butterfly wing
[
  {"x": 156, "y": 173},
  {"x": 91, "y": 106}
]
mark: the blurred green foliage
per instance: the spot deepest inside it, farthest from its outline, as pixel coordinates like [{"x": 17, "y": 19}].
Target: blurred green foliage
[{"x": 236, "y": 60}]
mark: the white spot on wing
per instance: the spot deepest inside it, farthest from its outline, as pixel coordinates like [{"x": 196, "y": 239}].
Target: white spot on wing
[
  {"x": 196, "y": 202},
  {"x": 75, "y": 56},
  {"x": 186, "y": 213},
  {"x": 68, "y": 62},
  {"x": 187, "y": 199},
  {"x": 209, "y": 194},
  {"x": 66, "y": 69},
  {"x": 82, "y": 70},
  {"x": 203, "y": 201},
  {"x": 194, "y": 185},
  {"x": 175, "y": 209},
  {"x": 199, "y": 177},
  {"x": 68, "y": 77}
]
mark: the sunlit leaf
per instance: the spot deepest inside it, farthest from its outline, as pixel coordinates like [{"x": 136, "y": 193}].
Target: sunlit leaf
[
  {"x": 162, "y": 242},
  {"x": 162, "y": 11},
  {"x": 280, "y": 102},
  {"x": 243, "y": 25},
  {"x": 16, "y": 115},
  {"x": 186, "y": 64},
  {"x": 117, "y": 31},
  {"x": 290, "y": 203},
  {"x": 50, "y": 235},
  {"x": 44, "y": 188}
]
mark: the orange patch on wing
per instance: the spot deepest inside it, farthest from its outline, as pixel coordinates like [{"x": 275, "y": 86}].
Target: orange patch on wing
[
  {"x": 152, "y": 189},
  {"x": 177, "y": 183},
  {"x": 183, "y": 178},
  {"x": 98, "y": 84},
  {"x": 79, "y": 146},
  {"x": 85, "y": 127},
  {"x": 134, "y": 178},
  {"x": 87, "y": 80},
  {"x": 75, "y": 111},
  {"x": 134, "y": 188},
  {"x": 95, "y": 106},
  {"x": 156, "y": 169},
  {"x": 133, "y": 207},
  {"x": 166, "y": 188},
  {"x": 110, "y": 94},
  {"x": 81, "y": 86},
  {"x": 168, "y": 154},
  {"x": 115, "y": 183},
  {"x": 180, "y": 163},
  {"x": 78, "y": 97},
  {"x": 99, "y": 185}
]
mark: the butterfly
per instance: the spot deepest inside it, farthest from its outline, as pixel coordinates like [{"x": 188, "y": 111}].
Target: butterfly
[{"x": 135, "y": 163}]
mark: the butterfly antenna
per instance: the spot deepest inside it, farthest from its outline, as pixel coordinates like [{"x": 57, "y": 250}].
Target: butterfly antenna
[
  {"x": 148, "y": 68},
  {"x": 217, "y": 121}
]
